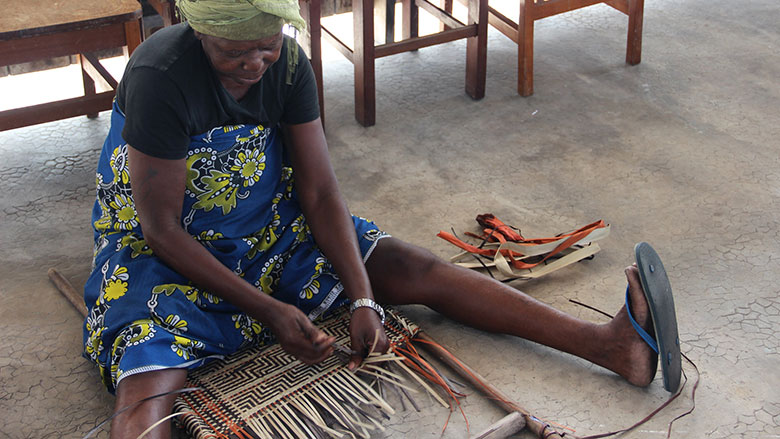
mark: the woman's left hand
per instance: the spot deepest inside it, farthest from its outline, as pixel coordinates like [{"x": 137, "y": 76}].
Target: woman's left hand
[{"x": 364, "y": 327}]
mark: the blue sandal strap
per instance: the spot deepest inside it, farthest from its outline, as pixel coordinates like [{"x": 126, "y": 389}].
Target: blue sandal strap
[{"x": 642, "y": 333}]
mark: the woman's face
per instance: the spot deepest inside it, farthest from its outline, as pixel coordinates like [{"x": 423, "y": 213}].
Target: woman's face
[{"x": 241, "y": 63}]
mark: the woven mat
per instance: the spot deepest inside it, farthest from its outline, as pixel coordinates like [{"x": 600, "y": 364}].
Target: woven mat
[{"x": 264, "y": 392}]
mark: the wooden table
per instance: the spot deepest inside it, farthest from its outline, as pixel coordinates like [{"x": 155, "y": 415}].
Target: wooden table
[{"x": 32, "y": 30}]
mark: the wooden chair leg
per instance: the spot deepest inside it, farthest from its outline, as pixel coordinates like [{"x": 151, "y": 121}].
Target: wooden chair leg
[
  {"x": 635, "y": 18},
  {"x": 447, "y": 6},
  {"x": 525, "y": 49},
  {"x": 311, "y": 13},
  {"x": 363, "y": 59},
  {"x": 476, "y": 50},
  {"x": 133, "y": 36},
  {"x": 411, "y": 24},
  {"x": 89, "y": 83},
  {"x": 386, "y": 15}
]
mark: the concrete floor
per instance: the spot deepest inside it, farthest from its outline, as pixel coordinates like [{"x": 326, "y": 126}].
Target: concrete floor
[{"x": 681, "y": 151}]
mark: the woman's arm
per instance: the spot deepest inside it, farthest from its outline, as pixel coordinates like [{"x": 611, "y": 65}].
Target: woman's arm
[
  {"x": 158, "y": 191},
  {"x": 331, "y": 224}
]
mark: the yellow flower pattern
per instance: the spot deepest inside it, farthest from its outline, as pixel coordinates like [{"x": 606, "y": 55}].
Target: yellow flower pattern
[
  {"x": 312, "y": 287},
  {"x": 186, "y": 347},
  {"x": 249, "y": 165},
  {"x": 116, "y": 285},
  {"x": 136, "y": 244}
]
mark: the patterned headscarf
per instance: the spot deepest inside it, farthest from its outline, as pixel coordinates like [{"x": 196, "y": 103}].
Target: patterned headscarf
[{"x": 240, "y": 20}]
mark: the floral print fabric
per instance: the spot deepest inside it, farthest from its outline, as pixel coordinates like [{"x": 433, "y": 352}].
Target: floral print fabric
[{"x": 240, "y": 204}]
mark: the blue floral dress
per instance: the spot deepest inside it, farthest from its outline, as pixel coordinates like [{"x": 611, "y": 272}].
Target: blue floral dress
[{"x": 241, "y": 205}]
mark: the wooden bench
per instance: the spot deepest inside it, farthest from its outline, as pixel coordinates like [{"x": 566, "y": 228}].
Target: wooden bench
[
  {"x": 522, "y": 31},
  {"x": 365, "y": 51},
  {"x": 32, "y": 30}
]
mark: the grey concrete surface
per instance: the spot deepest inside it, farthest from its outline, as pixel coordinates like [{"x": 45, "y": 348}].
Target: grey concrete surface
[{"x": 682, "y": 151}]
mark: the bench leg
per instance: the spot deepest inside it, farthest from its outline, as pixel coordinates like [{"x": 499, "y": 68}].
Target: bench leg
[
  {"x": 411, "y": 24},
  {"x": 89, "y": 83},
  {"x": 635, "y": 18},
  {"x": 311, "y": 12},
  {"x": 447, "y": 6},
  {"x": 386, "y": 15},
  {"x": 525, "y": 50},
  {"x": 133, "y": 36},
  {"x": 363, "y": 59},
  {"x": 476, "y": 50}
]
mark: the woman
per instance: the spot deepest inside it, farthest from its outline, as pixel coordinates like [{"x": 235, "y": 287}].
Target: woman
[{"x": 218, "y": 223}]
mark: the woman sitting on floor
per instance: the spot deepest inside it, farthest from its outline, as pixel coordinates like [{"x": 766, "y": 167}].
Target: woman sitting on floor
[{"x": 218, "y": 222}]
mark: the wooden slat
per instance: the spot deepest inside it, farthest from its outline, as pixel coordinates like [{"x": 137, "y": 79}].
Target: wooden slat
[
  {"x": 337, "y": 44},
  {"x": 97, "y": 72},
  {"x": 67, "y": 43},
  {"x": 555, "y": 7},
  {"x": 504, "y": 25},
  {"x": 51, "y": 111},
  {"x": 440, "y": 14},
  {"x": 425, "y": 41}
]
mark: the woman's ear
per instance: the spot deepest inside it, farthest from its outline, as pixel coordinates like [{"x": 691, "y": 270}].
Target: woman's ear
[{"x": 198, "y": 35}]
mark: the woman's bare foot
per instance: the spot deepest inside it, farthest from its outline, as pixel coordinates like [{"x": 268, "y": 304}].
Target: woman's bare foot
[{"x": 631, "y": 357}]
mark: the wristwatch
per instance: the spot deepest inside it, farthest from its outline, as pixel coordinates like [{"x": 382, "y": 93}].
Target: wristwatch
[{"x": 360, "y": 303}]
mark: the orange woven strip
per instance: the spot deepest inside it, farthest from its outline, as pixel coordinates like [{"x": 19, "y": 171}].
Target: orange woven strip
[
  {"x": 501, "y": 233},
  {"x": 490, "y": 222}
]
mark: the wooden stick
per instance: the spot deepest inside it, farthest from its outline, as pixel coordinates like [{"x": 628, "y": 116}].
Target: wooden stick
[
  {"x": 541, "y": 429},
  {"x": 67, "y": 290},
  {"x": 507, "y": 426}
]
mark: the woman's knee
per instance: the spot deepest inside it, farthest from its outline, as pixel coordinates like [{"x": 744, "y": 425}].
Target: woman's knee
[
  {"x": 135, "y": 416},
  {"x": 395, "y": 261}
]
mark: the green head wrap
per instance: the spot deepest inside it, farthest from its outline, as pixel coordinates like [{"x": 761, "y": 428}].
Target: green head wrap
[{"x": 240, "y": 20}]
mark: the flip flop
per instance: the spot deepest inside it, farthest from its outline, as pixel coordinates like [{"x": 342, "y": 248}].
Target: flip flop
[{"x": 658, "y": 293}]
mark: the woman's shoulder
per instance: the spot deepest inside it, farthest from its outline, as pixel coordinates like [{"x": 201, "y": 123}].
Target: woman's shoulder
[
  {"x": 170, "y": 59},
  {"x": 167, "y": 48}
]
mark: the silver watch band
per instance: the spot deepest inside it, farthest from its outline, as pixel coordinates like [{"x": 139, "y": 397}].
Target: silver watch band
[{"x": 368, "y": 303}]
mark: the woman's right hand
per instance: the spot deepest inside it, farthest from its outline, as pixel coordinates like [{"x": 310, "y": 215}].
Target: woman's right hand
[{"x": 299, "y": 337}]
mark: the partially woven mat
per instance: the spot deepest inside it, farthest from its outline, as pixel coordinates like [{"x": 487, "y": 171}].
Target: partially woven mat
[{"x": 263, "y": 392}]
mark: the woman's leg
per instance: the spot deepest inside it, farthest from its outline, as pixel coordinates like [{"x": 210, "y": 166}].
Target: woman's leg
[
  {"x": 401, "y": 273},
  {"x": 133, "y": 422}
]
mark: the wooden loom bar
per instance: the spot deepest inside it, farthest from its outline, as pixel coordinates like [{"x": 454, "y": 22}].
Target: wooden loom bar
[
  {"x": 67, "y": 290},
  {"x": 475, "y": 379}
]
